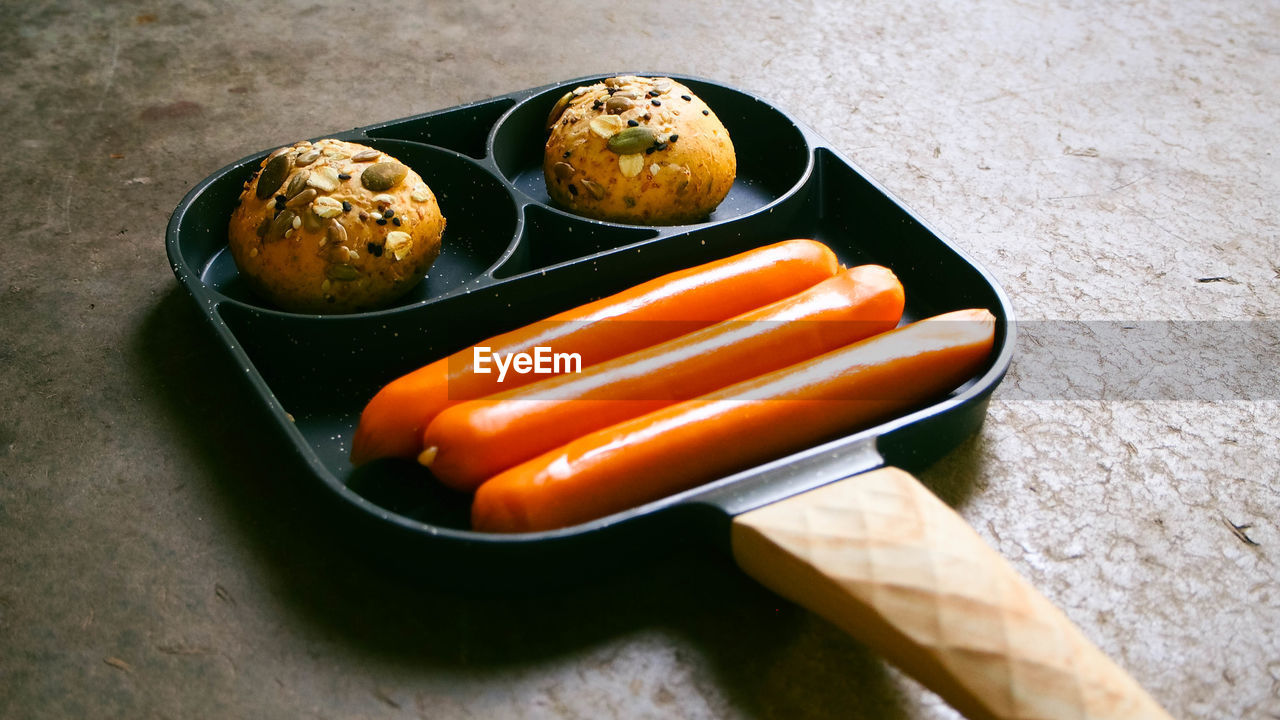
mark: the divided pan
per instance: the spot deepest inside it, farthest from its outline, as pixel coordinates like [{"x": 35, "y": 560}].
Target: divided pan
[
  {"x": 510, "y": 257},
  {"x": 839, "y": 528}
]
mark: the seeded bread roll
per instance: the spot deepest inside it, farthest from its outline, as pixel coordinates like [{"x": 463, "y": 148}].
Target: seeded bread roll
[
  {"x": 334, "y": 227},
  {"x": 644, "y": 151}
]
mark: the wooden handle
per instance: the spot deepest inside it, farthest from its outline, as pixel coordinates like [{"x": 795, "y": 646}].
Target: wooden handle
[{"x": 881, "y": 557}]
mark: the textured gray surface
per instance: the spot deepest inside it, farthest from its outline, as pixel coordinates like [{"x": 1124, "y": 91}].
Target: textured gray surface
[{"x": 157, "y": 561}]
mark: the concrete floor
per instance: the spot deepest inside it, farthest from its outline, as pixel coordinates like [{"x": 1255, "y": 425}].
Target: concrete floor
[{"x": 157, "y": 560}]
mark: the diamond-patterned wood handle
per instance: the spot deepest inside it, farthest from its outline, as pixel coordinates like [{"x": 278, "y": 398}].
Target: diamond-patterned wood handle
[{"x": 881, "y": 557}]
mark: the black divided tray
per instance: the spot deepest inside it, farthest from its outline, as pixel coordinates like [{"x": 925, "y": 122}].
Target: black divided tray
[{"x": 510, "y": 257}]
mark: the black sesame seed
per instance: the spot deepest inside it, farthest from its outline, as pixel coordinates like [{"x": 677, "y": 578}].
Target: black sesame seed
[
  {"x": 649, "y": 150},
  {"x": 389, "y": 213},
  {"x": 633, "y": 123},
  {"x": 656, "y": 102},
  {"x": 660, "y": 146},
  {"x": 346, "y": 206},
  {"x": 567, "y": 153},
  {"x": 654, "y": 93},
  {"x": 374, "y": 249},
  {"x": 686, "y": 98},
  {"x": 381, "y": 221},
  {"x": 573, "y": 189},
  {"x": 343, "y": 176},
  {"x": 706, "y": 112},
  {"x": 673, "y": 138},
  {"x": 395, "y": 221}
]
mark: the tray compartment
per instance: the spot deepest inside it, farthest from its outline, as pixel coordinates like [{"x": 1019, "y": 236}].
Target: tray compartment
[
  {"x": 482, "y": 227},
  {"x": 838, "y": 207},
  {"x": 772, "y": 152}
]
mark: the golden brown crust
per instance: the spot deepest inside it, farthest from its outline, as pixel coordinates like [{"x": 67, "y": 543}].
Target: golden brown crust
[
  {"x": 637, "y": 150},
  {"x": 334, "y": 227}
]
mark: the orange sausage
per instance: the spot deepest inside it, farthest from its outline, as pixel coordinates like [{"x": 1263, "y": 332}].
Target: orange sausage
[
  {"x": 473, "y": 441},
  {"x": 681, "y": 446},
  {"x": 392, "y": 424}
]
